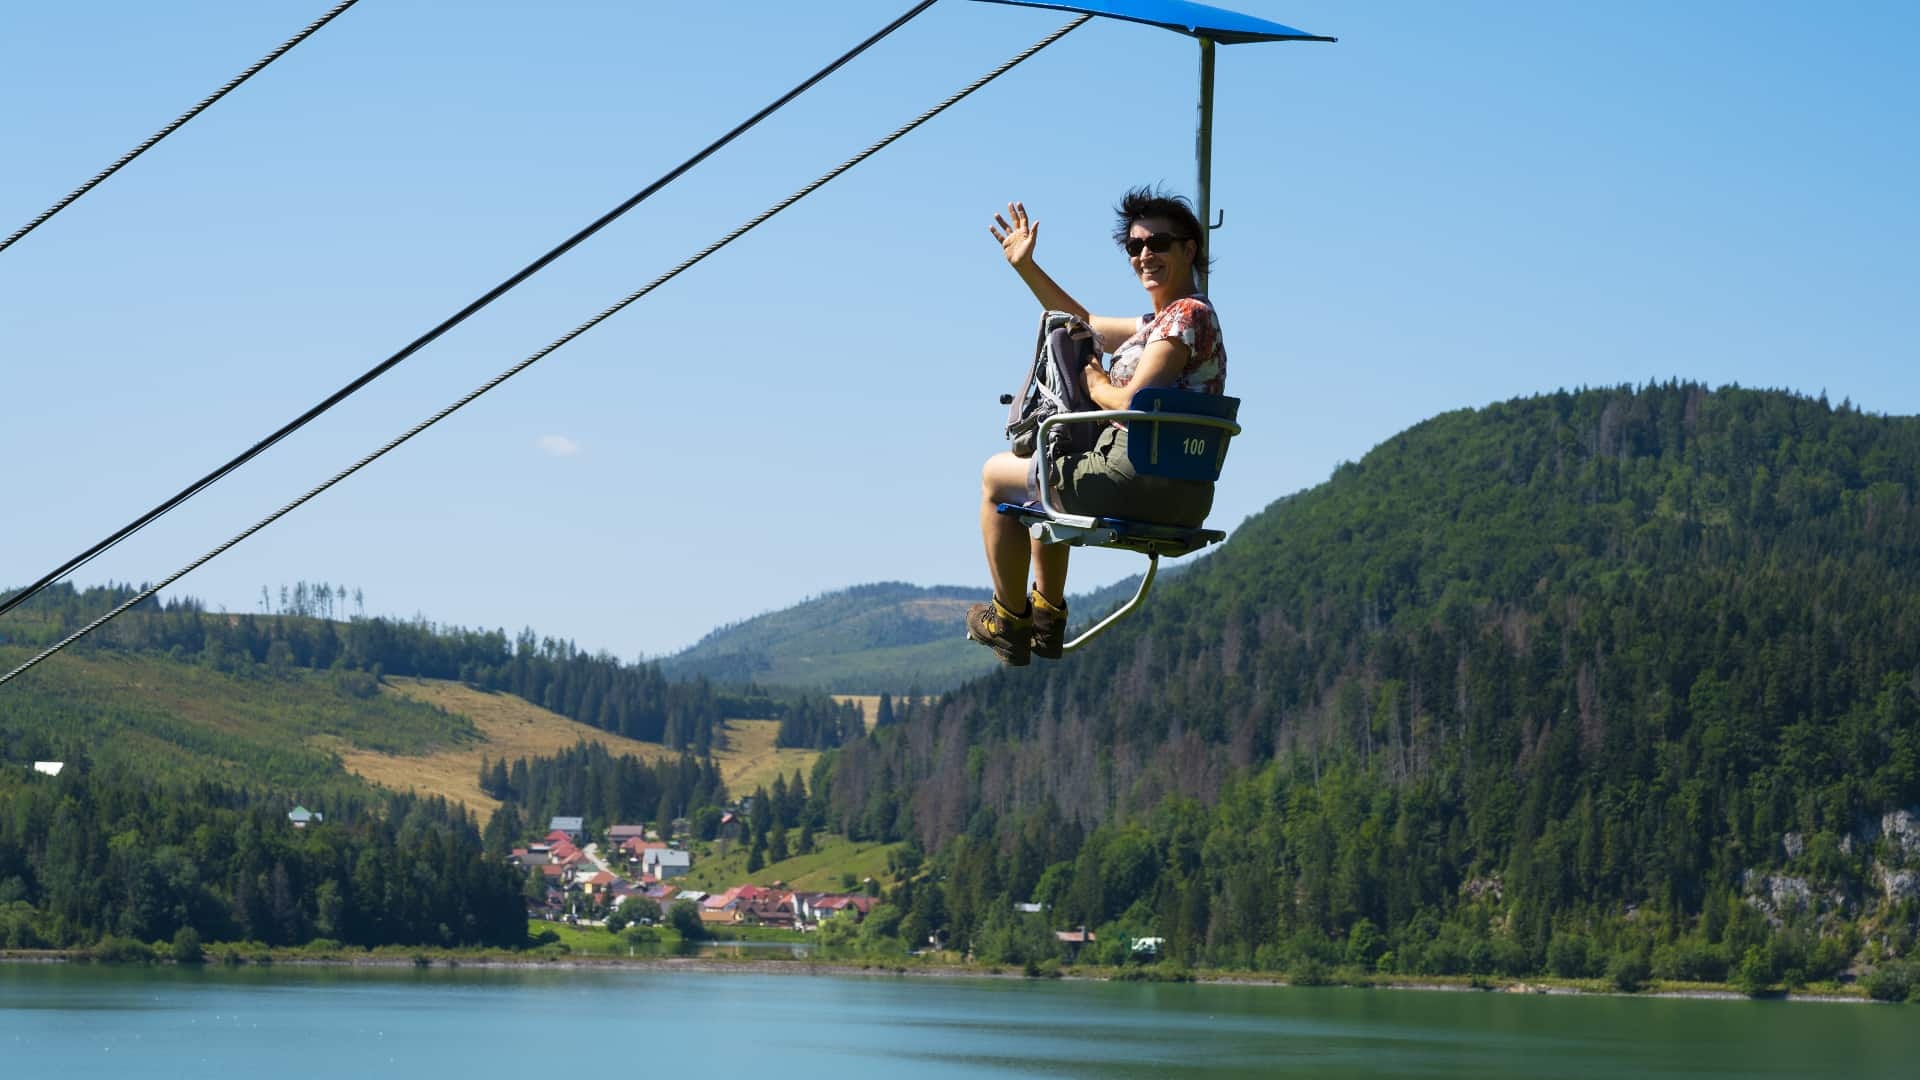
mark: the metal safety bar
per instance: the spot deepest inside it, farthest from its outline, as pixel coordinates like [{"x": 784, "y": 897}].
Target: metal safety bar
[{"x": 1121, "y": 612}]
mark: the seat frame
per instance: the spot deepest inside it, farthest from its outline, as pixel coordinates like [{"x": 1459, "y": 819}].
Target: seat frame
[{"x": 1049, "y": 524}]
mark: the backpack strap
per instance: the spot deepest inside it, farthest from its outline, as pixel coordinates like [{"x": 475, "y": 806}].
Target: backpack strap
[{"x": 1054, "y": 384}]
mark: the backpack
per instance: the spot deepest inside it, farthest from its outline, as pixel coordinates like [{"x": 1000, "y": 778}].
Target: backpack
[{"x": 1055, "y": 385}]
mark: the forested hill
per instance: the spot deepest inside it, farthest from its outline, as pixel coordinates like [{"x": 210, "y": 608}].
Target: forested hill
[
  {"x": 1562, "y": 668},
  {"x": 889, "y": 637},
  {"x": 885, "y": 638}
]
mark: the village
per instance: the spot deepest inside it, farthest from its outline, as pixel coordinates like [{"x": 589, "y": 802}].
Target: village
[{"x": 630, "y": 880}]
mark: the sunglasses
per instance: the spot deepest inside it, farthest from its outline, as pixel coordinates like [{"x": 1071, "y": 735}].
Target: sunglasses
[{"x": 1159, "y": 243}]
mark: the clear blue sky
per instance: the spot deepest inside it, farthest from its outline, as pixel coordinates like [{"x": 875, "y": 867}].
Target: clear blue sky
[{"x": 1454, "y": 205}]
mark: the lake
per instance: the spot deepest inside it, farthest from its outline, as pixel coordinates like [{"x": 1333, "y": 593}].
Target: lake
[{"x": 76, "y": 1021}]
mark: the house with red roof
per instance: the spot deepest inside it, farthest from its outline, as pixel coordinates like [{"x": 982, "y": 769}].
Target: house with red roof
[
  {"x": 636, "y": 850},
  {"x": 1074, "y": 940},
  {"x": 860, "y": 906},
  {"x": 769, "y": 909}
]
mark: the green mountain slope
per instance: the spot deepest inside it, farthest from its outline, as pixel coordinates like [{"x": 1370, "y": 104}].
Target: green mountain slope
[
  {"x": 1570, "y": 679},
  {"x": 889, "y": 637},
  {"x": 155, "y": 715}
]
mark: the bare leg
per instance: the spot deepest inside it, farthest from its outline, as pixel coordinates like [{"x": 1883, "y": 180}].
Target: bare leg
[
  {"x": 1004, "y": 479},
  {"x": 1050, "y": 572}
]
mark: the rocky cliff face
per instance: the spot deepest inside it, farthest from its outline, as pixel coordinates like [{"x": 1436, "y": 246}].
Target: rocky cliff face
[{"x": 1886, "y": 849}]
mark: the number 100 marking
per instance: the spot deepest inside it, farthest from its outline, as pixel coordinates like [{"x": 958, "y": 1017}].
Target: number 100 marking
[{"x": 1193, "y": 447}]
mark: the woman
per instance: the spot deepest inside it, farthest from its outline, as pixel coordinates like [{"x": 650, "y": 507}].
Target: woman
[{"x": 1178, "y": 345}]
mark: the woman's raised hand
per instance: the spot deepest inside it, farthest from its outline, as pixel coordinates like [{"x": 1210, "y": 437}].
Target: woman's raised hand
[{"x": 1016, "y": 233}]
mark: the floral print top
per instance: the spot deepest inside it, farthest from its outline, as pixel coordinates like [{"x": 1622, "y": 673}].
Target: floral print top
[{"x": 1189, "y": 320}]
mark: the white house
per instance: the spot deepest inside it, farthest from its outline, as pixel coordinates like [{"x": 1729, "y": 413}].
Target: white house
[{"x": 665, "y": 863}]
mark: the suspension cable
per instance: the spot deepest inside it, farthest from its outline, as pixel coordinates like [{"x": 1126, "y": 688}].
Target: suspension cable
[
  {"x": 9, "y": 603},
  {"x": 516, "y": 369},
  {"x": 276, "y": 54}
]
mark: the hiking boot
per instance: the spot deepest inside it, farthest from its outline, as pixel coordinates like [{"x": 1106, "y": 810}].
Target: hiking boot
[
  {"x": 1049, "y": 626},
  {"x": 1007, "y": 634}
]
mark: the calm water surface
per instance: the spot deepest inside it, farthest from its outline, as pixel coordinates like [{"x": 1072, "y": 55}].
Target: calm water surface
[{"x": 81, "y": 1022}]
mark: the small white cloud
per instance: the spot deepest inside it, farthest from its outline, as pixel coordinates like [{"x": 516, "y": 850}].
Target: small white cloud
[{"x": 557, "y": 445}]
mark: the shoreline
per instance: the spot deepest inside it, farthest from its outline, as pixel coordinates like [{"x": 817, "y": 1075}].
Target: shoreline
[{"x": 935, "y": 970}]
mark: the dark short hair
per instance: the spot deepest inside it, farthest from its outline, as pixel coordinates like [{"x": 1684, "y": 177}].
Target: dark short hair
[{"x": 1146, "y": 202}]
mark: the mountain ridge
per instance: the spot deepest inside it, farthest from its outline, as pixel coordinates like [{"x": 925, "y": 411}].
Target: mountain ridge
[{"x": 883, "y": 637}]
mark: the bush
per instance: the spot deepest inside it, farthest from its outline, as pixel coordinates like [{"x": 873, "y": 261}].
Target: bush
[
  {"x": 1510, "y": 957},
  {"x": 1570, "y": 956},
  {"x": 1443, "y": 956},
  {"x": 1365, "y": 944},
  {"x": 1755, "y": 973},
  {"x": 684, "y": 917},
  {"x": 187, "y": 948},
  {"x": 1830, "y": 957},
  {"x": 116, "y": 950},
  {"x": 1309, "y": 971},
  {"x": 235, "y": 953},
  {"x": 1691, "y": 961},
  {"x": 1629, "y": 971},
  {"x": 1894, "y": 980}
]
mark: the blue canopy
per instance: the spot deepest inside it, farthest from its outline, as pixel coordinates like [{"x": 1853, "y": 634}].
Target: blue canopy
[{"x": 1199, "y": 20}]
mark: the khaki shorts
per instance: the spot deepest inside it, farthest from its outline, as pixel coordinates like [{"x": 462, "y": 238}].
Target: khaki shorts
[{"x": 1102, "y": 483}]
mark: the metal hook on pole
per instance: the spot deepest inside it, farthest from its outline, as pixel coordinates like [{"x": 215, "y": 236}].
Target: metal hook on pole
[{"x": 1220, "y": 219}]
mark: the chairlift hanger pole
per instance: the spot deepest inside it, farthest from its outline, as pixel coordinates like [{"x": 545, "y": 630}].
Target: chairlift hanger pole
[
  {"x": 1208, "y": 25},
  {"x": 1203, "y": 153}
]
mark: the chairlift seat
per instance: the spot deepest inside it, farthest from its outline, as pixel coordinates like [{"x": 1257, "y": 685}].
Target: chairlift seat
[{"x": 1177, "y": 434}]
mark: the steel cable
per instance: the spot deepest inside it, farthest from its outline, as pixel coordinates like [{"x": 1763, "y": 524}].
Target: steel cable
[
  {"x": 276, "y": 54},
  {"x": 10, "y": 602},
  {"x": 557, "y": 343}
]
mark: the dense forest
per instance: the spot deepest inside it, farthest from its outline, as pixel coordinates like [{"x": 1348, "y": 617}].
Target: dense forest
[
  {"x": 586, "y": 781},
  {"x": 97, "y": 853},
  {"x": 636, "y": 700},
  {"x": 1621, "y": 680}
]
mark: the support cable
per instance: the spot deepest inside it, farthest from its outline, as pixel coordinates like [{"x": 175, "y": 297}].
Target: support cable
[
  {"x": 9, "y": 603},
  {"x": 557, "y": 343},
  {"x": 276, "y": 54}
]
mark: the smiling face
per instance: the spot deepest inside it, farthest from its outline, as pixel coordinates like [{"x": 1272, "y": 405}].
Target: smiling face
[{"x": 1165, "y": 274}]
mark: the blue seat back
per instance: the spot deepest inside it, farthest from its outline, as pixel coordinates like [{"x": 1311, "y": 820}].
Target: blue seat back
[{"x": 1175, "y": 450}]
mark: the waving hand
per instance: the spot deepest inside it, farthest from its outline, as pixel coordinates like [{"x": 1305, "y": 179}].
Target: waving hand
[{"x": 1016, "y": 238}]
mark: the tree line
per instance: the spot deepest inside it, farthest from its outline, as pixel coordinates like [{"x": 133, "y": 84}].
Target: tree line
[
  {"x": 636, "y": 700},
  {"x": 587, "y": 781},
  {"x": 100, "y": 853}
]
